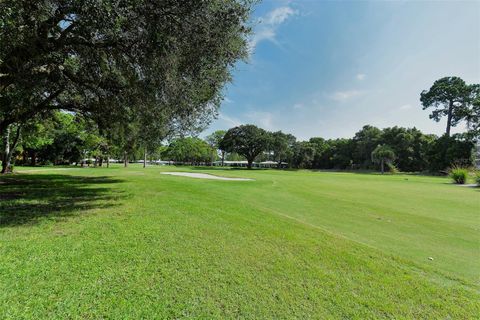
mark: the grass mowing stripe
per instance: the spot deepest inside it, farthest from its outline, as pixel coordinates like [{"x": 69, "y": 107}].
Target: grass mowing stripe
[{"x": 131, "y": 243}]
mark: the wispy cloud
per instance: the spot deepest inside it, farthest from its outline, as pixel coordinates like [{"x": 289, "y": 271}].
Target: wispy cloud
[
  {"x": 266, "y": 30},
  {"x": 232, "y": 122},
  {"x": 342, "y": 96},
  {"x": 361, "y": 76},
  {"x": 227, "y": 100},
  {"x": 279, "y": 15},
  {"x": 262, "y": 119}
]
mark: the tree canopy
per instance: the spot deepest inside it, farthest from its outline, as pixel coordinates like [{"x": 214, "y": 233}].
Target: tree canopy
[
  {"x": 383, "y": 154},
  {"x": 281, "y": 146},
  {"x": 214, "y": 140},
  {"x": 366, "y": 141},
  {"x": 191, "y": 149},
  {"x": 162, "y": 63},
  {"x": 448, "y": 96},
  {"x": 246, "y": 140}
]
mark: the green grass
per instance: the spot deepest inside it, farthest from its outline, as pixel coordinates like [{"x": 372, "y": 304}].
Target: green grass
[{"x": 132, "y": 243}]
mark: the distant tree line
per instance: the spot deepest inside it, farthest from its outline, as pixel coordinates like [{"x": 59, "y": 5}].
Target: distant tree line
[
  {"x": 66, "y": 138},
  {"x": 406, "y": 149}
]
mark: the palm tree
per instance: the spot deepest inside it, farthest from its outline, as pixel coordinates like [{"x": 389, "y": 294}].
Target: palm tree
[{"x": 383, "y": 154}]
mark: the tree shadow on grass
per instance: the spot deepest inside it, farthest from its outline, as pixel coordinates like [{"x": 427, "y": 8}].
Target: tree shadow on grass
[{"x": 27, "y": 199}]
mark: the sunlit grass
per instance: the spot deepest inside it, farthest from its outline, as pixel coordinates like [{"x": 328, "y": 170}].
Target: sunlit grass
[{"x": 132, "y": 243}]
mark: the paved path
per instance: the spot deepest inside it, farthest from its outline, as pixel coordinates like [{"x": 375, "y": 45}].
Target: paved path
[
  {"x": 204, "y": 176},
  {"x": 471, "y": 185}
]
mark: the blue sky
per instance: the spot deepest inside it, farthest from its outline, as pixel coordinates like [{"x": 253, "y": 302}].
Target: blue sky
[{"x": 326, "y": 68}]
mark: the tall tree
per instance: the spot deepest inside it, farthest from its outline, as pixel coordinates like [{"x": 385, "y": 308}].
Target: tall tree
[
  {"x": 365, "y": 142},
  {"x": 303, "y": 154},
  {"x": 214, "y": 140},
  {"x": 448, "y": 97},
  {"x": 190, "y": 149},
  {"x": 281, "y": 146},
  {"x": 342, "y": 153},
  {"x": 408, "y": 145},
  {"x": 246, "y": 140}
]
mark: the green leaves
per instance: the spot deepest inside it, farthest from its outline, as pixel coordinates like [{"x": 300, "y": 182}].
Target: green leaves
[
  {"x": 190, "y": 149},
  {"x": 450, "y": 97},
  {"x": 246, "y": 140},
  {"x": 114, "y": 60},
  {"x": 383, "y": 153}
]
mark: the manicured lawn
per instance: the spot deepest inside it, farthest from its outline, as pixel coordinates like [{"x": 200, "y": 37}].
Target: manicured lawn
[{"x": 132, "y": 243}]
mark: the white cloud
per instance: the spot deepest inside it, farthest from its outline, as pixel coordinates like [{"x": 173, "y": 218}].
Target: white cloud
[
  {"x": 279, "y": 15},
  {"x": 260, "y": 35},
  {"x": 361, "y": 76},
  {"x": 268, "y": 25},
  {"x": 342, "y": 96}
]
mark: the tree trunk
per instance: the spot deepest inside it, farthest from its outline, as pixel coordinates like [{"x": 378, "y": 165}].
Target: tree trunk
[
  {"x": 9, "y": 149},
  {"x": 4, "y": 125},
  {"x": 33, "y": 155},
  {"x": 223, "y": 158},
  {"x": 249, "y": 163},
  {"x": 383, "y": 166},
  {"x": 6, "y": 150},
  {"x": 125, "y": 159},
  {"x": 144, "y": 157},
  {"x": 100, "y": 161},
  {"x": 108, "y": 161},
  {"x": 449, "y": 118}
]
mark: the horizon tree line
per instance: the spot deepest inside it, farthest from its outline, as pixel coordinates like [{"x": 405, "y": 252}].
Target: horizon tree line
[{"x": 69, "y": 139}]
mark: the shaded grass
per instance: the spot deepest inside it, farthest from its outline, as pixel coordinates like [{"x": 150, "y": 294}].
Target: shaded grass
[
  {"x": 27, "y": 198},
  {"x": 288, "y": 245}
]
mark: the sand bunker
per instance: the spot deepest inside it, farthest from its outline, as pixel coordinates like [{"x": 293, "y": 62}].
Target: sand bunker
[{"x": 204, "y": 176}]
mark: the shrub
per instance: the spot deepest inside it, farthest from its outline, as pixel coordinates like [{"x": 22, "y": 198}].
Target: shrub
[
  {"x": 477, "y": 178},
  {"x": 459, "y": 175},
  {"x": 392, "y": 168}
]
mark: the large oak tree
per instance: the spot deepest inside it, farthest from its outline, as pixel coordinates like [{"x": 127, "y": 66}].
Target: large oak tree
[
  {"x": 246, "y": 140},
  {"x": 114, "y": 60}
]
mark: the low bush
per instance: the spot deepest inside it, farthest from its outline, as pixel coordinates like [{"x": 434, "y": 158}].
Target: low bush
[
  {"x": 477, "y": 178},
  {"x": 459, "y": 175},
  {"x": 392, "y": 168}
]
